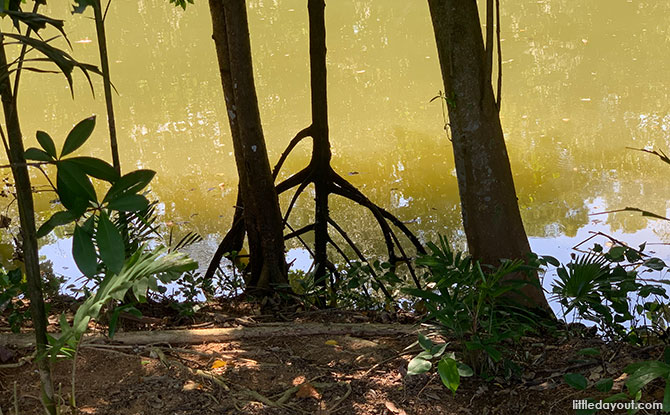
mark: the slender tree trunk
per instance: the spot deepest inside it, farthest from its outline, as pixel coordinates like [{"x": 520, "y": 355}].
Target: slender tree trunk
[
  {"x": 262, "y": 215},
  {"x": 321, "y": 153},
  {"x": 104, "y": 66},
  {"x": 27, "y": 218},
  {"x": 489, "y": 205}
]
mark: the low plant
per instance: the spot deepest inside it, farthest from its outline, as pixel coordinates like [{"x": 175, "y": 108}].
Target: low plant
[
  {"x": 471, "y": 303},
  {"x": 12, "y": 287},
  {"x": 638, "y": 376},
  {"x": 611, "y": 290}
]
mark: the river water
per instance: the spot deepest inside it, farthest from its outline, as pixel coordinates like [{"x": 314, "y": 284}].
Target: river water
[{"x": 583, "y": 81}]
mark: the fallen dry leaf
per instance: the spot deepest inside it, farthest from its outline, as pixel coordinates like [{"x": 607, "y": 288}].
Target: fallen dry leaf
[
  {"x": 391, "y": 407},
  {"x": 308, "y": 391},
  {"x": 298, "y": 380},
  {"x": 219, "y": 363},
  {"x": 189, "y": 385},
  {"x": 331, "y": 342}
]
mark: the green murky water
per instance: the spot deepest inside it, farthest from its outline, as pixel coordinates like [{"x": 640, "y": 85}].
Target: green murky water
[{"x": 582, "y": 81}]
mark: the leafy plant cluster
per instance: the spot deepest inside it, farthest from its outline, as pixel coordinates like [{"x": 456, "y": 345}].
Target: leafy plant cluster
[
  {"x": 12, "y": 287},
  {"x": 109, "y": 240},
  {"x": 611, "y": 290},
  {"x": 470, "y": 303}
]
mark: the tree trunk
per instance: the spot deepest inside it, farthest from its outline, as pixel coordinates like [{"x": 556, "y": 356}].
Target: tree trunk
[
  {"x": 489, "y": 205},
  {"x": 321, "y": 154},
  {"x": 107, "y": 84},
  {"x": 262, "y": 215},
  {"x": 24, "y": 198}
]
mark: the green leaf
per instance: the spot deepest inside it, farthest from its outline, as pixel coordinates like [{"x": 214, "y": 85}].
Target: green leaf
[
  {"x": 80, "y": 6},
  {"x": 110, "y": 244},
  {"x": 551, "y": 260},
  {"x": 616, "y": 253},
  {"x": 74, "y": 188},
  {"x": 438, "y": 349},
  {"x": 666, "y": 397},
  {"x": 140, "y": 289},
  {"x": 587, "y": 411},
  {"x": 418, "y": 366},
  {"x": 57, "y": 219},
  {"x": 605, "y": 385},
  {"x": 127, "y": 308},
  {"x": 47, "y": 143},
  {"x": 65, "y": 62},
  {"x": 129, "y": 203},
  {"x": 130, "y": 183},
  {"x": 576, "y": 380},
  {"x": 448, "y": 370},
  {"x": 656, "y": 264},
  {"x": 97, "y": 168},
  {"x": 464, "y": 370},
  {"x": 78, "y": 135},
  {"x": 493, "y": 353},
  {"x": 645, "y": 373},
  {"x": 36, "y": 154},
  {"x": 83, "y": 252},
  {"x": 425, "y": 342}
]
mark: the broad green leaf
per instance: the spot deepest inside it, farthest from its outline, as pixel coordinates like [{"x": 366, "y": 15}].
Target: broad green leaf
[
  {"x": 97, "y": 168},
  {"x": 129, "y": 203},
  {"x": 493, "y": 353},
  {"x": 83, "y": 252},
  {"x": 140, "y": 289},
  {"x": 418, "y": 366},
  {"x": 646, "y": 373},
  {"x": 110, "y": 244},
  {"x": 130, "y": 183},
  {"x": 448, "y": 370},
  {"x": 605, "y": 385},
  {"x": 57, "y": 219},
  {"x": 616, "y": 253},
  {"x": 656, "y": 264},
  {"x": 47, "y": 143},
  {"x": 75, "y": 189},
  {"x": 78, "y": 135},
  {"x": 464, "y": 370},
  {"x": 576, "y": 380},
  {"x": 425, "y": 342},
  {"x": 36, "y": 154},
  {"x": 551, "y": 260},
  {"x": 438, "y": 349}
]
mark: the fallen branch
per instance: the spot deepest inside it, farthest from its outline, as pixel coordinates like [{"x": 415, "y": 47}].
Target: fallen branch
[{"x": 218, "y": 335}]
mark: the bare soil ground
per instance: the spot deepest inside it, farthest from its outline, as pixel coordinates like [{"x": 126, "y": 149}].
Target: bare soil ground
[{"x": 314, "y": 374}]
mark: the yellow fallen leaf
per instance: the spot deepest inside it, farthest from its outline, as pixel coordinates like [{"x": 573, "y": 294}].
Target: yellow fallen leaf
[
  {"x": 331, "y": 342},
  {"x": 219, "y": 363}
]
